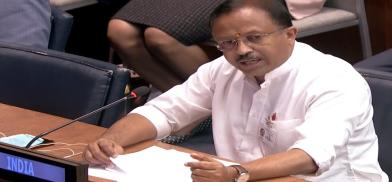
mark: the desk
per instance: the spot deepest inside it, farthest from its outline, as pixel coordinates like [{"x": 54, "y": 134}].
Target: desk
[
  {"x": 72, "y": 4},
  {"x": 14, "y": 120}
]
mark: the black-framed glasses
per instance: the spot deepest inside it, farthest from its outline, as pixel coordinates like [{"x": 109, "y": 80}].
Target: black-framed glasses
[{"x": 248, "y": 40}]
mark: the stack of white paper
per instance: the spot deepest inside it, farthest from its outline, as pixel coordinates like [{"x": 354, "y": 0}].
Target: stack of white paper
[{"x": 149, "y": 165}]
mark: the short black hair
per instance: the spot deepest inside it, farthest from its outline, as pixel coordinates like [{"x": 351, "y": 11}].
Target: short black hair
[{"x": 276, "y": 9}]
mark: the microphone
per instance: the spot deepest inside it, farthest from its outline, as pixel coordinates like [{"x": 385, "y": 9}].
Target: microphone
[{"x": 136, "y": 93}]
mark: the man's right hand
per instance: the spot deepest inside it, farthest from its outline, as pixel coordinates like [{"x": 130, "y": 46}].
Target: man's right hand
[{"x": 98, "y": 152}]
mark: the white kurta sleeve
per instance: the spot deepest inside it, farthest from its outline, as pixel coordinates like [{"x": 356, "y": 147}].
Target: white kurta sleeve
[
  {"x": 183, "y": 104},
  {"x": 335, "y": 119}
]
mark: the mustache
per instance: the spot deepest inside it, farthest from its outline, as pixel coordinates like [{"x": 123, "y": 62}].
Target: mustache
[{"x": 247, "y": 57}]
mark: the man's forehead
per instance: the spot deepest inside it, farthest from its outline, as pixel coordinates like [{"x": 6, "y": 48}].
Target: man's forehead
[
  {"x": 243, "y": 21},
  {"x": 244, "y": 14}
]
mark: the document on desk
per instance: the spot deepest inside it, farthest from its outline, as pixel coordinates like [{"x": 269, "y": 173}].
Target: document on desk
[{"x": 149, "y": 165}]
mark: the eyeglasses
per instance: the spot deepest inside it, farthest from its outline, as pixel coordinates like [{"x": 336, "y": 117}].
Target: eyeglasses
[{"x": 249, "y": 40}]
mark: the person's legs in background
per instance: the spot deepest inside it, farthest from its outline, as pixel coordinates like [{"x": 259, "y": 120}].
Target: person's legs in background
[
  {"x": 157, "y": 57},
  {"x": 180, "y": 59},
  {"x": 128, "y": 42}
]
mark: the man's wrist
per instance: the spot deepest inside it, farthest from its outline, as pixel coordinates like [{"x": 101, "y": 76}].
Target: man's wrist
[
  {"x": 241, "y": 175},
  {"x": 108, "y": 137},
  {"x": 111, "y": 138},
  {"x": 232, "y": 173}
]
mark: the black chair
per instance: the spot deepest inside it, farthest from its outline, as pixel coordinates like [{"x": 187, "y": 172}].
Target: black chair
[
  {"x": 61, "y": 84},
  {"x": 61, "y": 25},
  {"x": 202, "y": 142},
  {"x": 381, "y": 62},
  {"x": 380, "y": 83}
]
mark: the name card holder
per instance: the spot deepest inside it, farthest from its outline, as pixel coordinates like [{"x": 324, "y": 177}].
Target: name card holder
[{"x": 20, "y": 164}]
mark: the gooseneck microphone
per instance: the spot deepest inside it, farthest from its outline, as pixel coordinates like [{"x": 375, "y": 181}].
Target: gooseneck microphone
[{"x": 136, "y": 93}]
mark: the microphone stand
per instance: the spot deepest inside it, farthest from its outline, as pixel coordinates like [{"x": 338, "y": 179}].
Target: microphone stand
[{"x": 79, "y": 118}]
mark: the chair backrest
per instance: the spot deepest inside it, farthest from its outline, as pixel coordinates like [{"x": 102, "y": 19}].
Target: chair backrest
[
  {"x": 61, "y": 25},
  {"x": 381, "y": 87},
  {"x": 338, "y": 14},
  {"x": 61, "y": 84},
  {"x": 381, "y": 61}
]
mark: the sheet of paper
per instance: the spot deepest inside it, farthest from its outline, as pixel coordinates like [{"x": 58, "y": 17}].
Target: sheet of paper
[
  {"x": 106, "y": 173},
  {"x": 151, "y": 164}
]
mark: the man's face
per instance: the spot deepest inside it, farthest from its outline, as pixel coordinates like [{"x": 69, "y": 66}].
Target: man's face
[{"x": 252, "y": 42}]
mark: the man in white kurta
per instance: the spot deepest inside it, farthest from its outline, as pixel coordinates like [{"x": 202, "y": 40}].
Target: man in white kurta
[
  {"x": 279, "y": 107},
  {"x": 319, "y": 103}
]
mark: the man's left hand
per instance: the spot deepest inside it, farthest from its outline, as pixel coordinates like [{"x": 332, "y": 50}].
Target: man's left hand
[{"x": 207, "y": 169}]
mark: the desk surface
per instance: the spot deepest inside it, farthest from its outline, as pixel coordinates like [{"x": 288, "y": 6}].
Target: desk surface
[
  {"x": 72, "y": 4},
  {"x": 14, "y": 120}
]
